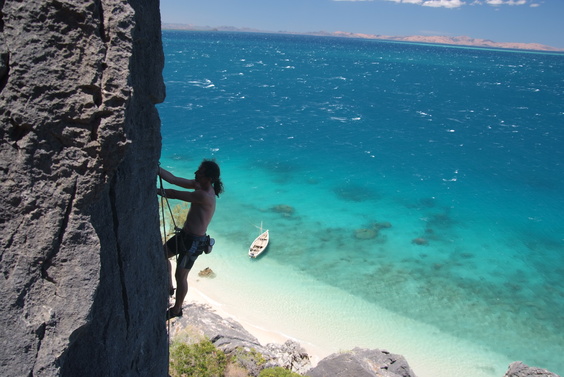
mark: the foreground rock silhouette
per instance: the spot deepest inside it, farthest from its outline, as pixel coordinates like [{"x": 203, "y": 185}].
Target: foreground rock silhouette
[{"x": 82, "y": 278}]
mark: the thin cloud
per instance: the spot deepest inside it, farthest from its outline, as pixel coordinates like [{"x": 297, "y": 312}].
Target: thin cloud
[
  {"x": 430, "y": 3},
  {"x": 506, "y": 2},
  {"x": 460, "y": 3},
  {"x": 443, "y": 3}
]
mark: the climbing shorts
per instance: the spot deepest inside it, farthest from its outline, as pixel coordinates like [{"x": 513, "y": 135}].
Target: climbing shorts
[{"x": 188, "y": 247}]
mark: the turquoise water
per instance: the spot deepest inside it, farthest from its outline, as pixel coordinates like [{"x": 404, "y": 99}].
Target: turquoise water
[{"x": 427, "y": 180}]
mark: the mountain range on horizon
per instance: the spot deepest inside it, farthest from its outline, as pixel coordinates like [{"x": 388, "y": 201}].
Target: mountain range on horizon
[{"x": 437, "y": 39}]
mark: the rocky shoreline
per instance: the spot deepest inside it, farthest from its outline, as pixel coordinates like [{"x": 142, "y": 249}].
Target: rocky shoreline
[{"x": 229, "y": 336}]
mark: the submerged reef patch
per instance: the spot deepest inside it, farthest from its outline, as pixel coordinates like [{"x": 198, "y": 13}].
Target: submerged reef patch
[
  {"x": 284, "y": 209},
  {"x": 372, "y": 231},
  {"x": 420, "y": 241},
  {"x": 355, "y": 193}
]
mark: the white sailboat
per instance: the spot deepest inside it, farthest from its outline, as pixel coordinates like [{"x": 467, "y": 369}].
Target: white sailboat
[{"x": 259, "y": 244}]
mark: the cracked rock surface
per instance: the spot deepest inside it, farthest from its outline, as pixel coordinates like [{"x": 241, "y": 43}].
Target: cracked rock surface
[{"x": 81, "y": 263}]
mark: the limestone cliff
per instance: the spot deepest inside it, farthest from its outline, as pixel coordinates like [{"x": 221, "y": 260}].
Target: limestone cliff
[{"x": 83, "y": 282}]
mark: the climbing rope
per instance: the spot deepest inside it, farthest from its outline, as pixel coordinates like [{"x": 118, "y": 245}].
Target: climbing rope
[{"x": 164, "y": 199}]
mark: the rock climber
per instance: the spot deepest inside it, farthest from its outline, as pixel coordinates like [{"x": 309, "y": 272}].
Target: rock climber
[{"x": 190, "y": 241}]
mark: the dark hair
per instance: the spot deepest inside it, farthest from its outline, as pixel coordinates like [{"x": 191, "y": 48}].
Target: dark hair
[{"x": 211, "y": 170}]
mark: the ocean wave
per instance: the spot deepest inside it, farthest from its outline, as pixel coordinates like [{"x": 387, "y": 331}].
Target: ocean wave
[{"x": 203, "y": 83}]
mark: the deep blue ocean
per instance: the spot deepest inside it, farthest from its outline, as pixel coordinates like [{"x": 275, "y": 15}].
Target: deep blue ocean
[{"x": 424, "y": 179}]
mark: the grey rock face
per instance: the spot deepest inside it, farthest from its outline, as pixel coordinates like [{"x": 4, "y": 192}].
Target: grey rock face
[
  {"x": 518, "y": 369},
  {"x": 83, "y": 281},
  {"x": 289, "y": 355},
  {"x": 362, "y": 362},
  {"x": 229, "y": 336}
]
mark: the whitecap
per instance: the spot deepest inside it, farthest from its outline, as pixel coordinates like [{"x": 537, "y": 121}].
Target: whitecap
[
  {"x": 340, "y": 119},
  {"x": 205, "y": 83},
  {"x": 423, "y": 114}
]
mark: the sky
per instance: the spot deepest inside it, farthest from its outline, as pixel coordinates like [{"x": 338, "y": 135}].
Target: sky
[{"x": 524, "y": 21}]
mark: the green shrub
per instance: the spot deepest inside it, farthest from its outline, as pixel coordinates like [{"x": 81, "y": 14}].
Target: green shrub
[
  {"x": 243, "y": 357},
  {"x": 234, "y": 370},
  {"x": 277, "y": 372},
  {"x": 196, "y": 360}
]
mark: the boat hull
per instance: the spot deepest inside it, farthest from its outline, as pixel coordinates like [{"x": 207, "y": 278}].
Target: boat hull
[{"x": 259, "y": 245}]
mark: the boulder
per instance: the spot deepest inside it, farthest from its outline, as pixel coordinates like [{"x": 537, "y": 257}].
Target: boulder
[
  {"x": 83, "y": 288},
  {"x": 207, "y": 273},
  {"x": 289, "y": 355},
  {"x": 361, "y": 362},
  {"x": 518, "y": 369}
]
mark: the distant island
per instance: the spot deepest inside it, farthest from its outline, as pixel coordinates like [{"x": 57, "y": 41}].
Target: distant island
[{"x": 459, "y": 41}]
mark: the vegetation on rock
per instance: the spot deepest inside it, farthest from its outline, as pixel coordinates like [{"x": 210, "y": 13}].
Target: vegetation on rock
[
  {"x": 277, "y": 372},
  {"x": 201, "y": 359}
]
